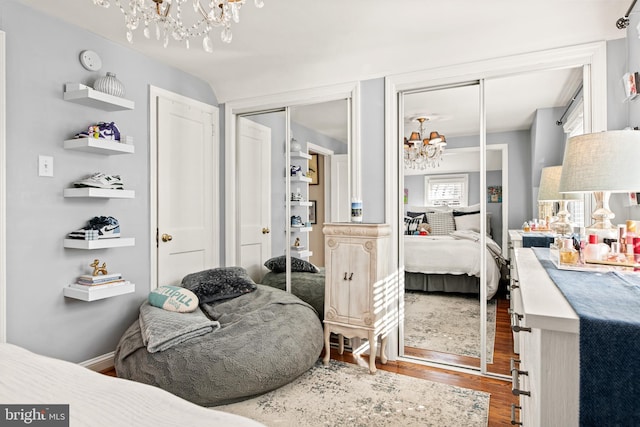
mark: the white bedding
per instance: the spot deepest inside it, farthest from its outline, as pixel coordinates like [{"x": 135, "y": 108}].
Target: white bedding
[
  {"x": 453, "y": 254},
  {"x": 99, "y": 400}
]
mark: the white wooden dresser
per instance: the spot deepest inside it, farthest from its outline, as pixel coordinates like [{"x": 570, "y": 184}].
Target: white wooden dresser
[{"x": 547, "y": 375}]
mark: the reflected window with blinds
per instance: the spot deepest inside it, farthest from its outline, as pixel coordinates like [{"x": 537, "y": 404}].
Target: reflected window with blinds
[{"x": 446, "y": 190}]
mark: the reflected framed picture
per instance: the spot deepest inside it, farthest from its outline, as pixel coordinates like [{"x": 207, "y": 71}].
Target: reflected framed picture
[
  {"x": 494, "y": 194},
  {"x": 312, "y": 212},
  {"x": 314, "y": 173}
]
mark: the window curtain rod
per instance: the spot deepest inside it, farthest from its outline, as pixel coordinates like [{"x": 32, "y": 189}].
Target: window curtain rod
[
  {"x": 561, "y": 121},
  {"x": 623, "y": 22}
]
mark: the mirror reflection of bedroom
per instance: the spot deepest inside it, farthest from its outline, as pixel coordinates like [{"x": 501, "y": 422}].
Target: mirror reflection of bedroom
[
  {"x": 305, "y": 184},
  {"x": 445, "y": 197}
]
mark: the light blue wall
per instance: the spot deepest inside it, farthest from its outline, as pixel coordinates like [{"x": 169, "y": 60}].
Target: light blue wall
[
  {"x": 42, "y": 54},
  {"x": 548, "y": 141}
]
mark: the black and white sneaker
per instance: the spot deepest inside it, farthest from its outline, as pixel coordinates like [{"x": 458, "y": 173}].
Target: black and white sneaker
[
  {"x": 101, "y": 180},
  {"x": 99, "y": 227}
]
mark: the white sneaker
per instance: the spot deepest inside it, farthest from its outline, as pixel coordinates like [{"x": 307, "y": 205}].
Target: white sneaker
[{"x": 101, "y": 180}]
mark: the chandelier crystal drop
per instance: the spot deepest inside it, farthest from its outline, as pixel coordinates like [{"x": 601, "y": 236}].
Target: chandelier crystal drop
[
  {"x": 422, "y": 152},
  {"x": 164, "y": 19}
]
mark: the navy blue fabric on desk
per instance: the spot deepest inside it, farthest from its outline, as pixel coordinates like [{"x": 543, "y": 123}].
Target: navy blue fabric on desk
[
  {"x": 608, "y": 305},
  {"x": 536, "y": 240}
]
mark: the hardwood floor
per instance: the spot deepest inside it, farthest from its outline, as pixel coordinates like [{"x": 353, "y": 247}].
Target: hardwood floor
[{"x": 500, "y": 390}]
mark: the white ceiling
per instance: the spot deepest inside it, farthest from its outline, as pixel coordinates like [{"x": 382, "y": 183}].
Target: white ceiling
[{"x": 298, "y": 44}]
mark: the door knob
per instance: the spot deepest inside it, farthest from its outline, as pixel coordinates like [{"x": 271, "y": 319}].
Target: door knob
[
  {"x": 265, "y": 230},
  {"x": 167, "y": 237}
]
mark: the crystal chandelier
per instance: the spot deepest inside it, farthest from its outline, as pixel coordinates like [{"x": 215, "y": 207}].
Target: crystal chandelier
[
  {"x": 420, "y": 153},
  {"x": 164, "y": 18}
]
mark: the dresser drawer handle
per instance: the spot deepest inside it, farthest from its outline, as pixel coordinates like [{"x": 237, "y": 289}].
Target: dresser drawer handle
[
  {"x": 515, "y": 381},
  {"x": 513, "y": 415},
  {"x": 514, "y": 285},
  {"x": 512, "y": 313},
  {"x": 518, "y": 328},
  {"x": 515, "y": 322}
]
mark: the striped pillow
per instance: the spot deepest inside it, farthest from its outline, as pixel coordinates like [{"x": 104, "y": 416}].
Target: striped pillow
[{"x": 411, "y": 224}]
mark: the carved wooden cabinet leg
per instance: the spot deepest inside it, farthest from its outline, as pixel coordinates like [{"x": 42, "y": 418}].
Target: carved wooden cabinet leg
[
  {"x": 340, "y": 344},
  {"x": 327, "y": 346},
  {"x": 372, "y": 352},
  {"x": 383, "y": 348}
]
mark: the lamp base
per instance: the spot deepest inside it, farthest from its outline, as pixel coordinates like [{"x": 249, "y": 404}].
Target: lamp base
[
  {"x": 602, "y": 216},
  {"x": 562, "y": 225}
]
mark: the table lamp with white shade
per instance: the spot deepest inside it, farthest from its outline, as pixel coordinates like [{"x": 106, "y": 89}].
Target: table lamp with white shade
[
  {"x": 549, "y": 192},
  {"x": 602, "y": 163}
]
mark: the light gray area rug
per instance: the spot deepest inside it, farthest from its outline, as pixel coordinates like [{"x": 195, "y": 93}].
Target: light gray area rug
[
  {"x": 447, "y": 323},
  {"x": 343, "y": 394}
]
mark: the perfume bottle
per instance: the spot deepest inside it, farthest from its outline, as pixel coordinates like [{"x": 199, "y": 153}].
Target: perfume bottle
[{"x": 568, "y": 253}]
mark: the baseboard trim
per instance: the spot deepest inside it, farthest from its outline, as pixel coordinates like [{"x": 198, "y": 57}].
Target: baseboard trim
[{"x": 100, "y": 363}]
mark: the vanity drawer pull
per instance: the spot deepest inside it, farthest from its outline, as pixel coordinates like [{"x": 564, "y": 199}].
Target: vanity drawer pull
[
  {"x": 515, "y": 379},
  {"x": 518, "y": 328},
  {"x": 513, "y": 415},
  {"x": 514, "y": 285},
  {"x": 515, "y": 322}
]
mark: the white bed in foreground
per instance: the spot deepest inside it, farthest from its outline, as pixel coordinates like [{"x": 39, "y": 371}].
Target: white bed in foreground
[
  {"x": 457, "y": 253},
  {"x": 99, "y": 400}
]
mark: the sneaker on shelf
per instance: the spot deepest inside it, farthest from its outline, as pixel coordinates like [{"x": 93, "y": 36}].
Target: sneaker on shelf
[
  {"x": 101, "y": 180},
  {"x": 101, "y": 130},
  {"x": 84, "y": 234},
  {"x": 99, "y": 227},
  {"x": 107, "y": 226}
]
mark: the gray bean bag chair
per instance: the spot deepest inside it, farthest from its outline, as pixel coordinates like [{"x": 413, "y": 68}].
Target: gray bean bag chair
[
  {"x": 309, "y": 287},
  {"x": 266, "y": 339}
]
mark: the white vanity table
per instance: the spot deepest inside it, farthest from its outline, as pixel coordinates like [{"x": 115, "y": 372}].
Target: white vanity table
[{"x": 547, "y": 329}]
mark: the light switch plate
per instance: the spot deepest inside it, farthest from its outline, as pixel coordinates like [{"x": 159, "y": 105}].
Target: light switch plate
[{"x": 45, "y": 166}]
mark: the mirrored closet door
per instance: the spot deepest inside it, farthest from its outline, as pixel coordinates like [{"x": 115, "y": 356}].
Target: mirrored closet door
[
  {"x": 293, "y": 175},
  {"x": 442, "y": 202},
  {"x": 476, "y": 193},
  {"x": 533, "y": 128}
]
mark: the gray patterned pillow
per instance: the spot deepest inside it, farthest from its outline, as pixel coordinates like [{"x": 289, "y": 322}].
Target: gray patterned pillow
[
  {"x": 219, "y": 283},
  {"x": 442, "y": 223},
  {"x": 279, "y": 265}
]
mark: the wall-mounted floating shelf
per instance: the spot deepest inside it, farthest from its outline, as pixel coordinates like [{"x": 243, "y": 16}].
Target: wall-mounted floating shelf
[
  {"x": 92, "y": 98},
  {"x": 300, "y": 179},
  {"x": 301, "y": 254},
  {"x": 116, "y": 242},
  {"x": 300, "y": 203},
  {"x": 99, "y": 146},
  {"x": 301, "y": 155},
  {"x": 101, "y": 293},
  {"x": 101, "y": 193},
  {"x": 300, "y": 229}
]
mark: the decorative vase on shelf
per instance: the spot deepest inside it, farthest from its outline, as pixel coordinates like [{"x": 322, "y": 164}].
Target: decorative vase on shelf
[
  {"x": 109, "y": 84},
  {"x": 295, "y": 145}
]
